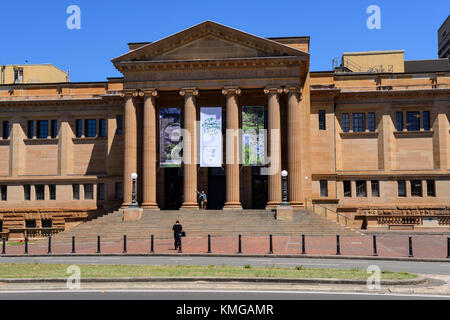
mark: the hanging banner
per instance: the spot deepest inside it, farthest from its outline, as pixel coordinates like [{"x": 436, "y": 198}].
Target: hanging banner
[
  {"x": 253, "y": 136},
  {"x": 170, "y": 145},
  {"x": 211, "y": 137}
]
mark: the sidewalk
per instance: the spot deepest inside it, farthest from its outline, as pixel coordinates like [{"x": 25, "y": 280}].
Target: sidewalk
[{"x": 424, "y": 246}]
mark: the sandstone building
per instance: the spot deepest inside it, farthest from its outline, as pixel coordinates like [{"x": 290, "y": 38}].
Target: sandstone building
[{"x": 373, "y": 145}]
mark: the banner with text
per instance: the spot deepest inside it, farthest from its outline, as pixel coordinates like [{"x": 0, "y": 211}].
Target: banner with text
[
  {"x": 170, "y": 144},
  {"x": 211, "y": 137},
  {"x": 253, "y": 136}
]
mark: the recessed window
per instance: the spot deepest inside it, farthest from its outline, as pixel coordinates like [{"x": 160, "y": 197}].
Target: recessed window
[
  {"x": 102, "y": 132},
  {"x": 39, "y": 189},
  {"x": 90, "y": 128},
  {"x": 89, "y": 191},
  {"x": 322, "y": 120},
  {"x": 30, "y": 223},
  {"x": 431, "y": 188},
  {"x": 347, "y": 188},
  {"x": 119, "y": 191},
  {"x": 119, "y": 124},
  {"x": 371, "y": 121},
  {"x": 399, "y": 121},
  {"x": 361, "y": 189},
  {"x": 413, "y": 121},
  {"x": 54, "y": 129},
  {"x": 5, "y": 129},
  {"x": 46, "y": 223},
  {"x": 401, "y": 188},
  {"x": 416, "y": 188},
  {"x": 426, "y": 120},
  {"x": 375, "y": 185},
  {"x": 323, "y": 188},
  {"x": 52, "y": 190},
  {"x": 101, "y": 191},
  {"x": 18, "y": 75},
  {"x": 27, "y": 192},
  {"x": 1, "y": 225},
  {"x": 345, "y": 122},
  {"x": 359, "y": 122},
  {"x": 30, "y": 129},
  {"x": 42, "y": 129},
  {"x": 79, "y": 128},
  {"x": 76, "y": 191},
  {"x": 4, "y": 192}
]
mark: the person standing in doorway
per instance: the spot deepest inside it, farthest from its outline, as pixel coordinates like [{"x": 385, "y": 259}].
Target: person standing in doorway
[
  {"x": 177, "y": 230},
  {"x": 203, "y": 199}
]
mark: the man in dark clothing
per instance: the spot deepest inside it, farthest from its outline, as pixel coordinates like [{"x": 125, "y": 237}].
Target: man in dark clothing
[{"x": 177, "y": 229}]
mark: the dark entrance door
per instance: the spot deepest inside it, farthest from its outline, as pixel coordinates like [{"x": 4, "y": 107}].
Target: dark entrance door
[
  {"x": 259, "y": 189},
  {"x": 216, "y": 188},
  {"x": 174, "y": 188}
]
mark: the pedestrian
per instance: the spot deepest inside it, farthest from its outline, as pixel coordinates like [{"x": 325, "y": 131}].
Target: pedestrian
[
  {"x": 177, "y": 231},
  {"x": 203, "y": 199}
]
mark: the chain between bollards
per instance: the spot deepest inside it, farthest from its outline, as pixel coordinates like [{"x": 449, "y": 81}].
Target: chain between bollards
[
  {"x": 303, "y": 244},
  {"x": 375, "y": 253},
  {"x": 124, "y": 243},
  {"x": 26, "y": 245},
  {"x": 73, "y": 244},
  {"x": 209, "y": 243},
  {"x": 49, "y": 245},
  {"x": 240, "y": 244},
  {"x": 152, "y": 246},
  {"x": 98, "y": 245},
  {"x": 338, "y": 245},
  {"x": 410, "y": 255},
  {"x": 270, "y": 245}
]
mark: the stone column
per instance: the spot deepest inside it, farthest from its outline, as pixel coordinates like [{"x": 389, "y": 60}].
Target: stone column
[
  {"x": 189, "y": 149},
  {"x": 149, "y": 150},
  {"x": 232, "y": 149},
  {"x": 274, "y": 145},
  {"x": 130, "y": 146},
  {"x": 294, "y": 132}
]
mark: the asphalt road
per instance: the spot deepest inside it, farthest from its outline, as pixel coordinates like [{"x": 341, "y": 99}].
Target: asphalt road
[{"x": 440, "y": 268}]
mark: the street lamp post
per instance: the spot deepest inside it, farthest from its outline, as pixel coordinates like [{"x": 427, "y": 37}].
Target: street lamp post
[
  {"x": 284, "y": 186},
  {"x": 133, "y": 193}
]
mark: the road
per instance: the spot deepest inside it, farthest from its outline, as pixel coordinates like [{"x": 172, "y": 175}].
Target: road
[{"x": 436, "y": 268}]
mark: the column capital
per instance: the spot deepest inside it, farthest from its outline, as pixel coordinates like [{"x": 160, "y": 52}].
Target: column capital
[
  {"x": 292, "y": 89},
  {"x": 150, "y": 92},
  {"x": 231, "y": 90},
  {"x": 129, "y": 93},
  {"x": 273, "y": 89},
  {"x": 188, "y": 92}
]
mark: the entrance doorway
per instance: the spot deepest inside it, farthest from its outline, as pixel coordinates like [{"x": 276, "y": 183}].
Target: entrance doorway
[
  {"x": 259, "y": 189},
  {"x": 174, "y": 188},
  {"x": 216, "y": 188}
]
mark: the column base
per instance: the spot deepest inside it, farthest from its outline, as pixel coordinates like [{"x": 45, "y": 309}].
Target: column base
[
  {"x": 232, "y": 206},
  {"x": 125, "y": 205},
  {"x": 150, "y": 206},
  {"x": 297, "y": 204},
  {"x": 189, "y": 206},
  {"x": 272, "y": 205}
]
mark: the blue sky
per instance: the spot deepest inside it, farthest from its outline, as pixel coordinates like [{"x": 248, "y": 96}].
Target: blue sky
[{"x": 36, "y": 30}]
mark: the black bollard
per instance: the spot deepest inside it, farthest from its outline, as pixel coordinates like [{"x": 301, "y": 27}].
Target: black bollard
[
  {"x": 4, "y": 246},
  {"x": 98, "y": 245},
  {"x": 410, "y": 248},
  {"x": 303, "y": 244},
  {"x": 26, "y": 245},
  {"x": 124, "y": 243},
  {"x": 179, "y": 248},
  {"x": 209, "y": 243},
  {"x": 338, "y": 246},
  {"x": 240, "y": 244},
  {"x": 49, "y": 245},
  {"x": 375, "y": 254},
  {"x": 152, "y": 247},
  {"x": 448, "y": 248},
  {"x": 270, "y": 245},
  {"x": 73, "y": 244}
]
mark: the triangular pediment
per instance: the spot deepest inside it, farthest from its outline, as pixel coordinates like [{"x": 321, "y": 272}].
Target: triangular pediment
[{"x": 209, "y": 41}]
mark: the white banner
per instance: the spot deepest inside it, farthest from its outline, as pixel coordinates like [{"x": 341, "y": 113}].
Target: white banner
[{"x": 211, "y": 137}]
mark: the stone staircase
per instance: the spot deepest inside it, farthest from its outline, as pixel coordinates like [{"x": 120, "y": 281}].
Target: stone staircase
[{"x": 201, "y": 223}]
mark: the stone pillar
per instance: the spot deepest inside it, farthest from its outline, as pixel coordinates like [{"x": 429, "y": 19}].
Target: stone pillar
[
  {"x": 232, "y": 149},
  {"x": 130, "y": 146},
  {"x": 17, "y": 147},
  {"x": 189, "y": 149},
  {"x": 294, "y": 132},
  {"x": 274, "y": 145},
  {"x": 65, "y": 147},
  {"x": 149, "y": 150}
]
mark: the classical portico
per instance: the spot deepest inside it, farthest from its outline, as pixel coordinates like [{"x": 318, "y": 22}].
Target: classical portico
[{"x": 213, "y": 65}]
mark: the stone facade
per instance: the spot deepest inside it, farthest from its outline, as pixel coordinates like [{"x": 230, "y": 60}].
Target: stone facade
[{"x": 329, "y": 160}]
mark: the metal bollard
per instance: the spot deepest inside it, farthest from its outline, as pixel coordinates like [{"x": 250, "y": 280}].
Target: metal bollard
[
  {"x": 410, "y": 248},
  {"x": 49, "y": 245},
  {"x": 338, "y": 246},
  {"x": 375, "y": 254},
  {"x": 124, "y": 243},
  {"x": 3, "y": 246},
  {"x": 98, "y": 245},
  {"x": 303, "y": 244},
  {"x": 270, "y": 245},
  {"x": 73, "y": 244},
  {"x": 240, "y": 244},
  {"x": 448, "y": 248},
  {"x": 179, "y": 249},
  {"x": 152, "y": 247},
  {"x": 26, "y": 245},
  {"x": 209, "y": 243}
]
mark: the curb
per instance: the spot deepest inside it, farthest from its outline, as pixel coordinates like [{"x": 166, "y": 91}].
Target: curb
[
  {"x": 415, "y": 281},
  {"x": 227, "y": 255}
]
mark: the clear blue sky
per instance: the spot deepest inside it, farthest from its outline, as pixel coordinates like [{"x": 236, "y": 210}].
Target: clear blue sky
[{"x": 36, "y": 30}]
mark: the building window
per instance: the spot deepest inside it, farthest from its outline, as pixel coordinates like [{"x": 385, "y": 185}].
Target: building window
[
  {"x": 46, "y": 223},
  {"x": 119, "y": 191},
  {"x": 1, "y": 225},
  {"x": 371, "y": 121},
  {"x": 102, "y": 132},
  {"x": 5, "y": 129},
  {"x": 323, "y": 188},
  {"x": 399, "y": 121},
  {"x": 322, "y": 121},
  {"x": 416, "y": 188},
  {"x": 345, "y": 122},
  {"x": 413, "y": 121},
  {"x": 27, "y": 192},
  {"x": 30, "y": 223},
  {"x": 89, "y": 191},
  {"x": 30, "y": 129},
  {"x": 4, "y": 192},
  {"x": 79, "y": 128},
  {"x": 39, "y": 188},
  {"x": 18, "y": 75},
  {"x": 52, "y": 189},
  {"x": 101, "y": 191},
  {"x": 361, "y": 189},
  {"x": 119, "y": 124},
  {"x": 375, "y": 184},
  {"x": 359, "y": 122},
  {"x": 347, "y": 189},
  {"x": 431, "y": 188},
  {"x": 90, "y": 128},
  {"x": 401, "y": 188},
  {"x": 54, "y": 128},
  {"x": 426, "y": 120},
  {"x": 42, "y": 129},
  {"x": 76, "y": 191}
]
